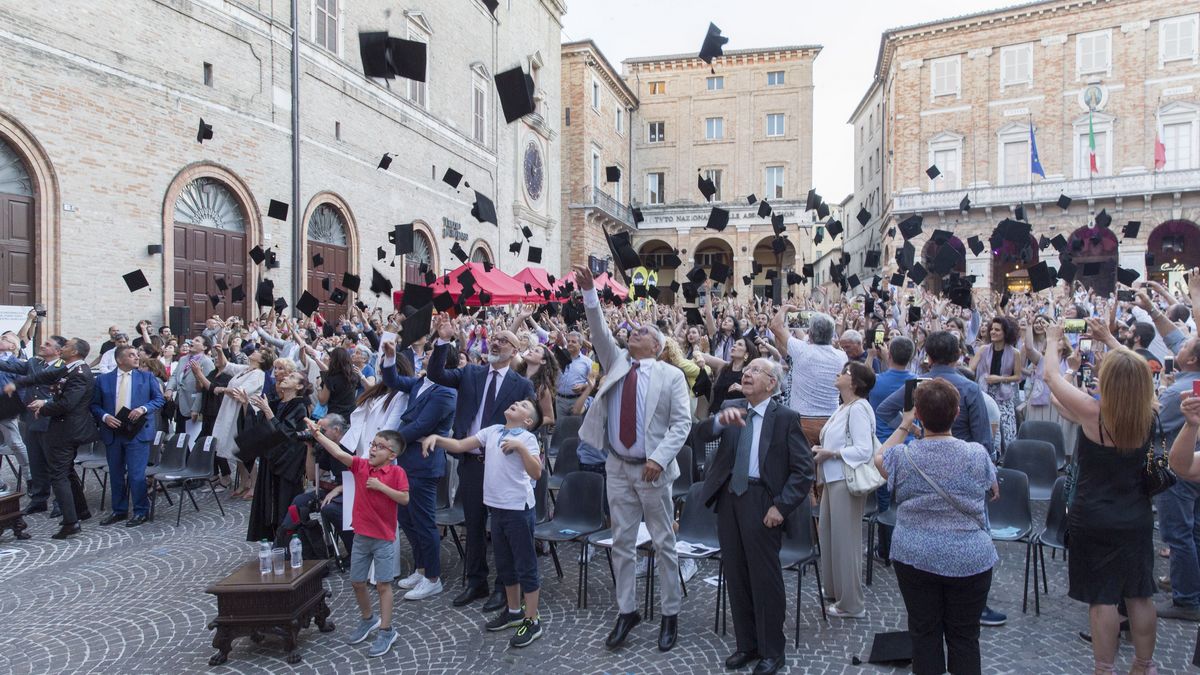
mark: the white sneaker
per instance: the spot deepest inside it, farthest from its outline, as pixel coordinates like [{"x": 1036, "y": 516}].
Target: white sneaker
[
  {"x": 411, "y": 581},
  {"x": 688, "y": 568},
  {"x": 424, "y": 589}
]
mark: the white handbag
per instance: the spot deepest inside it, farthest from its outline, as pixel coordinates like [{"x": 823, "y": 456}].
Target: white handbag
[{"x": 865, "y": 478}]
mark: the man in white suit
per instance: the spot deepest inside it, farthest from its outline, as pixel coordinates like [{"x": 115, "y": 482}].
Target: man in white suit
[{"x": 641, "y": 416}]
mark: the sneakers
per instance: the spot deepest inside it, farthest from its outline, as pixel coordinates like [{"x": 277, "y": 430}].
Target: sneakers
[
  {"x": 530, "y": 630},
  {"x": 687, "y": 568},
  {"x": 424, "y": 589},
  {"x": 383, "y": 643},
  {"x": 506, "y": 619},
  {"x": 834, "y": 610},
  {"x": 411, "y": 581},
  {"x": 1167, "y": 609},
  {"x": 365, "y": 626},
  {"x": 991, "y": 617}
]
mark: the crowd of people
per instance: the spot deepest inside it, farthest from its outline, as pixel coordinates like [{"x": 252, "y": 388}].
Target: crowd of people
[{"x": 786, "y": 405}]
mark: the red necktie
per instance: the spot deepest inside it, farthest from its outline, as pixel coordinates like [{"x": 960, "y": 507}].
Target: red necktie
[{"x": 629, "y": 407}]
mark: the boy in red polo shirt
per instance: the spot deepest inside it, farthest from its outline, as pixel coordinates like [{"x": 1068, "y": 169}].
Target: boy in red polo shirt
[{"x": 379, "y": 484}]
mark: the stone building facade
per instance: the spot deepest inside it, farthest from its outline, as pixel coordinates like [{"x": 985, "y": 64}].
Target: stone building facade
[
  {"x": 867, "y": 121},
  {"x": 99, "y": 108},
  {"x": 962, "y": 93},
  {"x": 746, "y": 123}
]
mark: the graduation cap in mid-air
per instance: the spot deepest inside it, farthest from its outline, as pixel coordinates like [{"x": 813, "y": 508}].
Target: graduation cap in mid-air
[
  {"x": 873, "y": 257},
  {"x": 380, "y": 285},
  {"x": 452, "y": 178},
  {"x": 385, "y": 161},
  {"x": 706, "y": 187},
  {"x": 764, "y": 209},
  {"x": 975, "y": 244},
  {"x": 277, "y": 210},
  {"x": 713, "y": 44},
  {"x": 416, "y": 325},
  {"x": 933, "y": 171},
  {"x": 457, "y": 251},
  {"x": 204, "y": 132},
  {"x": 265, "y": 295},
  {"x": 135, "y": 280},
  {"x": 751, "y": 198},
  {"x": 612, "y": 174},
  {"x": 1103, "y": 219},
  {"x": 535, "y": 255},
  {"x": 1040, "y": 277},
  {"x": 1064, "y": 202},
  {"x": 718, "y": 219},
  {"x": 308, "y": 303},
  {"x": 515, "y": 88},
  {"x": 863, "y": 217},
  {"x": 910, "y": 227},
  {"x": 484, "y": 210},
  {"x": 777, "y": 223},
  {"x": 1130, "y": 230},
  {"x": 637, "y": 216},
  {"x": 965, "y": 203},
  {"x": 258, "y": 255},
  {"x": 338, "y": 296},
  {"x": 1127, "y": 276},
  {"x": 834, "y": 227}
]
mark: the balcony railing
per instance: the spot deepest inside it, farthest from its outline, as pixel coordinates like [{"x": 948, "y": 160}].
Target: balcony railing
[
  {"x": 1047, "y": 191},
  {"x": 595, "y": 197}
]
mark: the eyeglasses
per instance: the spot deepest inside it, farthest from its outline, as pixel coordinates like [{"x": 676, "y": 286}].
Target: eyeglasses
[
  {"x": 643, "y": 330},
  {"x": 381, "y": 446}
]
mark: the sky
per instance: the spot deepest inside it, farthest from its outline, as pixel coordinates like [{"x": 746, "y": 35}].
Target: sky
[{"x": 848, "y": 30}]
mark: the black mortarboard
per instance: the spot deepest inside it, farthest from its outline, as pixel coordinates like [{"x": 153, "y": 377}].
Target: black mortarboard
[
  {"x": 514, "y": 247},
  {"x": 612, "y": 174},
  {"x": 764, "y": 209},
  {"x": 637, "y": 215},
  {"x": 822, "y": 210},
  {"x": 906, "y": 256},
  {"x": 719, "y": 272},
  {"x": 914, "y": 314},
  {"x": 466, "y": 278},
  {"x": 975, "y": 245},
  {"x": 747, "y": 280},
  {"x": 484, "y": 210},
  {"x": 1040, "y": 277},
  {"x": 385, "y": 161},
  {"x": 485, "y": 298},
  {"x": 338, "y": 296},
  {"x": 819, "y": 236},
  {"x": 853, "y": 281},
  {"x": 777, "y": 223},
  {"x": 135, "y": 280},
  {"x": 671, "y": 261},
  {"x": 778, "y": 244},
  {"x": 516, "y": 94},
  {"x": 452, "y": 178},
  {"x": 535, "y": 255},
  {"x": 697, "y": 275},
  {"x": 834, "y": 227},
  {"x": 265, "y": 295},
  {"x": 812, "y": 200},
  {"x": 1066, "y": 270},
  {"x": 416, "y": 295},
  {"x": 718, "y": 219},
  {"x": 416, "y": 325},
  {"x": 807, "y": 270},
  {"x": 237, "y": 293},
  {"x": 350, "y": 281},
  {"x": 692, "y": 315},
  {"x": 443, "y": 301},
  {"x": 674, "y": 285},
  {"x": 863, "y": 217},
  {"x": 1130, "y": 231},
  {"x": 897, "y": 279},
  {"x": 458, "y": 252},
  {"x": 215, "y": 300},
  {"x": 933, "y": 171},
  {"x": 706, "y": 187},
  {"x": 257, "y": 255},
  {"x": 326, "y": 283},
  {"x": 280, "y": 305},
  {"x": 380, "y": 285},
  {"x": 204, "y": 132},
  {"x": 941, "y": 236},
  {"x": 307, "y": 304},
  {"x": 917, "y": 273},
  {"x": 487, "y": 266},
  {"x": 772, "y": 273},
  {"x": 430, "y": 277},
  {"x": 751, "y": 199},
  {"x": 713, "y": 40},
  {"x": 318, "y": 260},
  {"x": 622, "y": 251},
  {"x": 373, "y": 50},
  {"x": 407, "y": 58},
  {"x": 1103, "y": 219},
  {"x": 910, "y": 227},
  {"x": 873, "y": 256},
  {"x": 946, "y": 259},
  {"x": 380, "y": 253},
  {"x": 402, "y": 235},
  {"x": 272, "y": 260},
  {"x": 1043, "y": 242},
  {"x": 793, "y": 278},
  {"x": 1127, "y": 276},
  {"x": 1076, "y": 243},
  {"x": 890, "y": 648},
  {"x": 1064, "y": 202},
  {"x": 965, "y": 203},
  {"x": 222, "y": 285},
  {"x": 961, "y": 296},
  {"x": 1059, "y": 243},
  {"x": 277, "y": 210},
  {"x": 655, "y": 291}
]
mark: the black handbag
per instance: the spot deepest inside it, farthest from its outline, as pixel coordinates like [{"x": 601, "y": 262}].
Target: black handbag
[{"x": 1157, "y": 476}]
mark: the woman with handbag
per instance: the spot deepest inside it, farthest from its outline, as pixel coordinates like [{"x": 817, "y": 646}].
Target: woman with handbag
[
  {"x": 847, "y": 443},
  {"x": 1111, "y": 524},
  {"x": 941, "y": 548}
]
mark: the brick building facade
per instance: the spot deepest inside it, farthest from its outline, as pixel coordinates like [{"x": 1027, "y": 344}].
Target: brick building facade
[{"x": 99, "y": 106}]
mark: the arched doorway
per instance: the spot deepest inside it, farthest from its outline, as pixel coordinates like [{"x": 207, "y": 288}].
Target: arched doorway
[
  {"x": 710, "y": 252},
  {"x": 768, "y": 259},
  {"x": 929, "y": 254},
  {"x": 18, "y": 281},
  {"x": 654, "y": 254},
  {"x": 327, "y": 237},
  {"x": 209, "y": 224},
  {"x": 1175, "y": 245},
  {"x": 1011, "y": 263},
  {"x": 481, "y": 253},
  {"x": 422, "y": 254},
  {"x": 1097, "y": 245}
]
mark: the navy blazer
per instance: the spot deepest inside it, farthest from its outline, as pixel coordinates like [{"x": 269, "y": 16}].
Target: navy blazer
[
  {"x": 427, "y": 413},
  {"x": 146, "y": 393},
  {"x": 470, "y": 380}
]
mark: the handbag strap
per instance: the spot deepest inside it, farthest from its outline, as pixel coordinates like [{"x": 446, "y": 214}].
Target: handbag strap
[{"x": 943, "y": 494}]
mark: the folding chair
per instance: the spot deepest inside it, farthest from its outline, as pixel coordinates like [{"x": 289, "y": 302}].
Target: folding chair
[
  {"x": 578, "y": 513},
  {"x": 200, "y": 466},
  {"x": 1011, "y": 519}
]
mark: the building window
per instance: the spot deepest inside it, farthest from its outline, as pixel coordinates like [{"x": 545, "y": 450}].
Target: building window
[
  {"x": 655, "y": 188},
  {"x": 775, "y": 78},
  {"x": 715, "y": 176},
  {"x": 1178, "y": 38},
  {"x": 1180, "y": 132},
  {"x": 775, "y": 124},
  {"x": 945, "y": 150},
  {"x": 656, "y": 132},
  {"x": 337, "y": 130},
  {"x": 1093, "y": 53},
  {"x": 774, "y": 182},
  {"x": 944, "y": 79},
  {"x": 595, "y": 94},
  {"x": 208, "y": 74},
  {"x": 596, "y": 169},
  {"x": 479, "y": 97},
  {"x": 658, "y": 87},
  {"x": 1013, "y": 159},
  {"x": 418, "y": 92},
  {"x": 617, "y": 185},
  {"x": 715, "y": 83},
  {"x": 1016, "y": 65},
  {"x": 325, "y": 24},
  {"x": 714, "y": 128},
  {"x": 619, "y": 120},
  {"x": 1103, "y": 126}
]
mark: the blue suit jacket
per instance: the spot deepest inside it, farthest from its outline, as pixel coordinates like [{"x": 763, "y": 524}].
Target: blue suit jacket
[
  {"x": 146, "y": 393},
  {"x": 470, "y": 381},
  {"x": 427, "y": 413}
]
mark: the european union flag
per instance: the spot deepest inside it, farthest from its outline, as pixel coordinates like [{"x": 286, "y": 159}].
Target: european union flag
[{"x": 1035, "y": 163}]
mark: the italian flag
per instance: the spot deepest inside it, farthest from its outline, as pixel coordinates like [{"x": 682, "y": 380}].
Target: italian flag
[{"x": 1092, "y": 145}]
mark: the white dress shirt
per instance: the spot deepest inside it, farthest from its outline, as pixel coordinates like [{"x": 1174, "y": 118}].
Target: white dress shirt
[
  {"x": 638, "y": 450},
  {"x": 499, "y": 374},
  {"x": 755, "y": 428}
]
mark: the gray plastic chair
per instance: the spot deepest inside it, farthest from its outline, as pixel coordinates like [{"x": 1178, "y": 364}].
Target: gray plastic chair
[
  {"x": 1036, "y": 460},
  {"x": 200, "y": 468},
  {"x": 1011, "y": 519},
  {"x": 1039, "y": 430}
]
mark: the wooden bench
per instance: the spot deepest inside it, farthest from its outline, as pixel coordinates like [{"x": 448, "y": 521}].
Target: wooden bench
[
  {"x": 10, "y": 515},
  {"x": 256, "y": 605}
]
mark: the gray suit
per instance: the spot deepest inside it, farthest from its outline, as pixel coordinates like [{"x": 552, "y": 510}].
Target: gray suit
[
  {"x": 666, "y": 422},
  {"x": 183, "y": 382}
]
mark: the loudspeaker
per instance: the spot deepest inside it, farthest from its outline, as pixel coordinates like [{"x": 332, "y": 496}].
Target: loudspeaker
[{"x": 180, "y": 320}]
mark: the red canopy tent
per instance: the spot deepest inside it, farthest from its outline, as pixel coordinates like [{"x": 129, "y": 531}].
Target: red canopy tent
[
  {"x": 536, "y": 277},
  {"x": 601, "y": 282},
  {"x": 503, "y": 288}
]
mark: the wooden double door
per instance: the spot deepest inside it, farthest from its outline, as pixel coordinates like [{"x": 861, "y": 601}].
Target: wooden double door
[
  {"x": 17, "y": 258},
  {"x": 203, "y": 255}
]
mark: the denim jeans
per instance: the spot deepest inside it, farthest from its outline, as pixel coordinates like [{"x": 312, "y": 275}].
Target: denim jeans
[{"x": 1179, "y": 523}]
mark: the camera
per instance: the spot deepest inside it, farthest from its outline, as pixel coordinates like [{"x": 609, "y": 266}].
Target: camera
[{"x": 305, "y": 436}]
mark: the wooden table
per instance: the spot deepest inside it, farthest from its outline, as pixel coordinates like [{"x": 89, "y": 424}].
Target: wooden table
[
  {"x": 10, "y": 515},
  {"x": 253, "y": 604}
]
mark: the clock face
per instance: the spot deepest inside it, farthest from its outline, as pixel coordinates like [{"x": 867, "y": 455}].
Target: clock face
[{"x": 534, "y": 171}]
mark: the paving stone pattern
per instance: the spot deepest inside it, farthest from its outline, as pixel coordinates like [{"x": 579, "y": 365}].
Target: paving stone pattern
[{"x": 118, "y": 600}]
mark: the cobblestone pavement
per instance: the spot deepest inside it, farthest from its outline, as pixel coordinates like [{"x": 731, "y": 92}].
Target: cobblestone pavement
[{"x": 118, "y": 600}]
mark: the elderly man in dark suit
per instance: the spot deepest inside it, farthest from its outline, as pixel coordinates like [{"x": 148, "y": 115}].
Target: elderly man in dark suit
[
  {"x": 762, "y": 471},
  {"x": 35, "y": 427},
  {"x": 484, "y": 393},
  {"x": 71, "y": 425}
]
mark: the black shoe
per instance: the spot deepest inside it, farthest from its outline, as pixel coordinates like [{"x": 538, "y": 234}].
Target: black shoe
[
  {"x": 768, "y": 666},
  {"x": 625, "y": 623},
  {"x": 135, "y": 521},
  {"x": 34, "y": 508},
  {"x": 469, "y": 594},
  {"x": 113, "y": 518},
  {"x": 496, "y": 602},
  {"x": 66, "y": 531},
  {"x": 668, "y": 632},
  {"x": 737, "y": 660},
  {"x": 56, "y": 513},
  {"x": 1086, "y": 636}
]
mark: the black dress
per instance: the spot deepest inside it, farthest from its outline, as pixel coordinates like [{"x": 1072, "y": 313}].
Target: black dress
[
  {"x": 280, "y": 471},
  {"x": 1110, "y": 526},
  {"x": 720, "y": 390}
]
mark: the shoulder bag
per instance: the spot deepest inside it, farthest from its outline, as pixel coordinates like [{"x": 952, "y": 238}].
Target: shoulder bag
[
  {"x": 865, "y": 478},
  {"x": 942, "y": 493},
  {"x": 1157, "y": 477}
]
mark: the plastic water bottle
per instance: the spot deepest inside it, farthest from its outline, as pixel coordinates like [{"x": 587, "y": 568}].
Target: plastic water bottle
[
  {"x": 264, "y": 557},
  {"x": 297, "y": 552}
]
